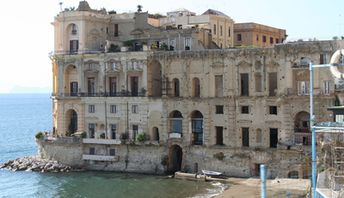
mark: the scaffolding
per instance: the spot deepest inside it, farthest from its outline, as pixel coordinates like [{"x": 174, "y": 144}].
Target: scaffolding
[{"x": 331, "y": 181}]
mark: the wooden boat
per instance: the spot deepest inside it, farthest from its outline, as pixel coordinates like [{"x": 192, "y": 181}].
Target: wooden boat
[{"x": 211, "y": 173}]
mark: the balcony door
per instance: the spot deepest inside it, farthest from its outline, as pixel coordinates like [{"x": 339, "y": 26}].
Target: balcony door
[
  {"x": 134, "y": 85},
  {"x": 74, "y": 88},
  {"x": 73, "y": 46}
]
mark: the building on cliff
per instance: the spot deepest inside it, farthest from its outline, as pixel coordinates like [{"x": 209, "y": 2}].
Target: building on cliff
[{"x": 152, "y": 100}]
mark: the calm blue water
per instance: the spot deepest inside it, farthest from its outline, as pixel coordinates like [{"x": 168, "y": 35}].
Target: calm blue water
[{"x": 22, "y": 115}]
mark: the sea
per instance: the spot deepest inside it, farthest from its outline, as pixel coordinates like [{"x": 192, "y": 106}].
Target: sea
[{"x": 23, "y": 115}]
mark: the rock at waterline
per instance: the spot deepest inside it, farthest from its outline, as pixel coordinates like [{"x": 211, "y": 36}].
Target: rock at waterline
[{"x": 34, "y": 163}]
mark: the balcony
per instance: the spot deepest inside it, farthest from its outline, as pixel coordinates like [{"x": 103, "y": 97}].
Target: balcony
[
  {"x": 107, "y": 158},
  {"x": 100, "y": 141},
  {"x": 175, "y": 135},
  {"x": 103, "y": 94},
  {"x": 67, "y": 52},
  {"x": 302, "y": 138}
]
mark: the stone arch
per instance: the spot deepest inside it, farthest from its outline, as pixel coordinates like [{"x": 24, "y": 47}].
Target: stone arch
[
  {"x": 72, "y": 37},
  {"x": 196, "y": 87},
  {"x": 154, "y": 78},
  {"x": 302, "y": 128},
  {"x": 176, "y": 87},
  {"x": 71, "y": 85},
  {"x": 175, "y": 157},
  {"x": 71, "y": 121},
  {"x": 293, "y": 174},
  {"x": 197, "y": 127}
]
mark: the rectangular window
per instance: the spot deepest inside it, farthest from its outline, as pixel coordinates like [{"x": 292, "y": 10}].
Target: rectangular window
[
  {"x": 92, "y": 151},
  {"x": 258, "y": 82},
  {"x": 91, "y": 86},
  {"x": 113, "y": 129},
  {"x": 245, "y": 109},
  {"x": 229, "y": 32},
  {"x": 271, "y": 40},
  {"x": 113, "y": 84},
  {"x": 135, "y": 131},
  {"x": 112, "y": 152},
  {"x": 73, "y": 88},
  {"x": 91, "y": 129},
  {"x": 116, "y": 30},
  {"x": 238, "y": 37},
  {"x": 273, "y": 137},
  {"x": 264, "y": 39},
  {"x": 219, "y": 135},
  {"x": 245, "y": 137},
  {"x": 218, "y": 85},
  {"x": 134, "y": 109},
  {"x": 219, "y": 109},
  {"x": 73, "y": 46},
  {"x": 244, "y": 88},
  {"x": 273, "y": 110},
  {"x": 134, "y": 85},
  {"x": 91, "y": 108},
  {"x": 220, "y": 30},
  {"x": 302, "y": 88},
  {"x": 322, "y": 59},
  {"x": 187, "y": 43},
  {"x": 326, "y": 87},
  {"x": 277, "y": 40},
  {"x": 257, "y": 37},
  {"x": 113, "y": 109},
  {"x": 272, "y": 83},
  {"x": 214, "y": 29}
]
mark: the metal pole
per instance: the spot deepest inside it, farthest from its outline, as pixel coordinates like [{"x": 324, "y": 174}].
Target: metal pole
[
  {"x": 263, "y": 181},
  {"x": 311, "y": 119}
]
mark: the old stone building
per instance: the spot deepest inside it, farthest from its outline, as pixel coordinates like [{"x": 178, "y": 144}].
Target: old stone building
[
  {"x": 219, "y": 25},
  {"x": 257, "y": 35},
  {"x": 150, "y": 110}
]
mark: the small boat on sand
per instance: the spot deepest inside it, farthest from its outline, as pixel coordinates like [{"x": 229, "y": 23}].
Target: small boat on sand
[{"x": 211, "y": 173}]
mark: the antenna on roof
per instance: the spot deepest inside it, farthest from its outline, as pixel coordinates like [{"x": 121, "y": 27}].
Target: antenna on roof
[{"x": 61, "y": 6}]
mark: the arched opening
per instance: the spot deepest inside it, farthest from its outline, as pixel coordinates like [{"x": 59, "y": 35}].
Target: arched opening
[
  {"x": 154, "y": 79},
  {"x": 73, "y": 38},
  {"x": 302, "y": 128},
  {"x": 293, "y": 175},
  {"x": 155, "y": 134},
  {"x": 71, "y": 81},
  {"x": 175, "y": 83},
  {"x": 176, "y": 122},
  {"x": 72, "y": 122},
  {"x": 196, "y": 88},
  {"x": 197, "y": 127},
  {"x": 175, "y": 159}
]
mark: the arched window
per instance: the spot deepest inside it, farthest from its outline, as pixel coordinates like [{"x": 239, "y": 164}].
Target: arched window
[
  {"x": 74, "y": 29},
  {"x": 176, "y": 122},
  {"x": 72, "y": 122},
  {"x": 196, "y": 88},
  {"x": 197, "y": 127},
  {"x": 302, "y": 128},
  {"x": 176, "y": 92}
]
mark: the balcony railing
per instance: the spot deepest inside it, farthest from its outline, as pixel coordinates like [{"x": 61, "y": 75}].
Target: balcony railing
[
  {"x": 100, "y": 141},
  {"x": 108, "y": 158},
  {"x": 66, "y": 52},
  {"x": 303, "y": 138},
  {"x": 103, "y": 94}
]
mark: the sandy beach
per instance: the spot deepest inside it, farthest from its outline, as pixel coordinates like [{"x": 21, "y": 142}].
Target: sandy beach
[{"x": 243, "y": 187}]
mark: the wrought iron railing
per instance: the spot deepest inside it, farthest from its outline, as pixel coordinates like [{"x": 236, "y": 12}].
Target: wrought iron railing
[{"x": 102, "y": 94}]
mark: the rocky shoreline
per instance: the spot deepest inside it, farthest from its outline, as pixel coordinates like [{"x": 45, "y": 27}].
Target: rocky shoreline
[{"x": 35, "y": 163}]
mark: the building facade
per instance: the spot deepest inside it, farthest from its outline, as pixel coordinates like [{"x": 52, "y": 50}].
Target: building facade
[
  {"x": 220, "y": 26},
  {"x": 257, "y": 35},
  {"x": 189, "y": 109}
]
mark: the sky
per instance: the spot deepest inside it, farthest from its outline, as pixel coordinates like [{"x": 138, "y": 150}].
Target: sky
[{"x": 26, "y": 36}]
